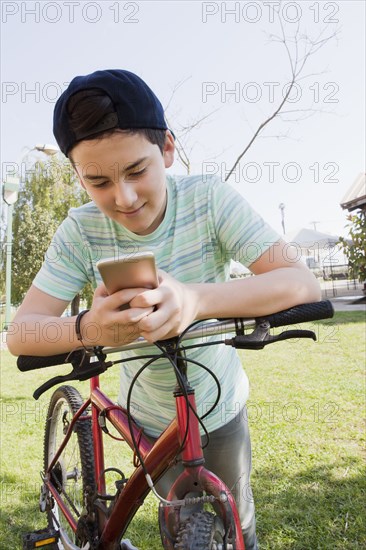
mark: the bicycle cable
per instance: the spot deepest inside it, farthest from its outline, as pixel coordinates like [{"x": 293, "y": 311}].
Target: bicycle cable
[
  {"x": 187, "y": 329},
  {"x": 182, "y": 387},
  {"x": 217, "y": 381},
  {"x": 137, "y": 451},
  {"x": 181, "y": 383},
  {"x": 128, "y": 407},
  {"x": 128, "y": 404}
]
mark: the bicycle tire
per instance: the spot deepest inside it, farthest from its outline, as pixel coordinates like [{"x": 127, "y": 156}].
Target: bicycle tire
[
  {"x": 75, "y": 464},
  {"x": 202, "y": 531}
]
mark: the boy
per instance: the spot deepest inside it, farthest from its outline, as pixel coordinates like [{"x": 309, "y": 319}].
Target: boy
[{"x": 112, "y": 128}]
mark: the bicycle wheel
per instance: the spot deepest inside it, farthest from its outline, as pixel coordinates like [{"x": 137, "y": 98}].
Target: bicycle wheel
[
  {"x": 73, "y": 474},
  {"x": 202, "y": 531}
]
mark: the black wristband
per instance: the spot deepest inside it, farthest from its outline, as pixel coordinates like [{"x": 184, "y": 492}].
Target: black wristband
[{"x": 77, "y": 324}]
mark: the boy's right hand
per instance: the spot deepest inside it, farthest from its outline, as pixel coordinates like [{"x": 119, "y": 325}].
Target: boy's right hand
[{"x": 106, "y": 325}]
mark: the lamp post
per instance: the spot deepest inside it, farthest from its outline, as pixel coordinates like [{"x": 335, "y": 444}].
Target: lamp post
[
  {"x": 281, "y": 206},
  {"x": 10, "y": 196}
]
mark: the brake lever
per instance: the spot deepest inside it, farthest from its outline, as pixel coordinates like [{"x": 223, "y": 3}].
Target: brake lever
[
  {"x": 50, "y": 383},
  {"x": 260, "y": 337},
  {"x": 79, "y": 372}
]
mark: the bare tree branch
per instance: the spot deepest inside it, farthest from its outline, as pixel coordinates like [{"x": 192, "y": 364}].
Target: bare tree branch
[
  {"x": 297, "y": 62},
  {"x": 182, "y": 156},
  {"x": 175, "y": 88},
  {"x": 184, "y": 131},
  {"x": 197, "y": 123}
]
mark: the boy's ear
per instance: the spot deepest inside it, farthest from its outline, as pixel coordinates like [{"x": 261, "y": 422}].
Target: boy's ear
[{"x": 169, "y": 148}]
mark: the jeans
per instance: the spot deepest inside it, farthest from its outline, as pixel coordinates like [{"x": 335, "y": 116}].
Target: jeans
[{"x": 229, "y": 456}]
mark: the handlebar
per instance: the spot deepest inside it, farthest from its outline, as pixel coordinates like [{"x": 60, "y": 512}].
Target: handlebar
[{"x": 299, "y": 314}]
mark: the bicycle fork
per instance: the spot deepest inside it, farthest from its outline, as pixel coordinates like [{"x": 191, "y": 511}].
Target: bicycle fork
[{"x": 195, "y": 478}]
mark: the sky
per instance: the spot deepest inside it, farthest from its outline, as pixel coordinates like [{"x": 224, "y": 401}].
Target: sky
[{"x": 218, "y": 64}]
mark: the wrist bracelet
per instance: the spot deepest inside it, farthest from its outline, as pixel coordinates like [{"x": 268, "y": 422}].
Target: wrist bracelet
[{"x": 77, "y": 324}]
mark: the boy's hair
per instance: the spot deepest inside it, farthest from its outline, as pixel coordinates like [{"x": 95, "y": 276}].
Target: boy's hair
[
  {"x": 107, "y": 101},
  {"x": 88, "y": 108}
]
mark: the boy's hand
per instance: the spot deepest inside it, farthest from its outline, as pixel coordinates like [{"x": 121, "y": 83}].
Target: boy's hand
[
  {"x": 105, "y": 324},
  {"x": 174, "y": 304}
]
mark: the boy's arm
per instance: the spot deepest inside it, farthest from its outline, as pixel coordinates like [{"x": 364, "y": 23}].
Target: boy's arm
[
  {"x": 39, "y": 329},
  {"x": 278, "y": 284}
]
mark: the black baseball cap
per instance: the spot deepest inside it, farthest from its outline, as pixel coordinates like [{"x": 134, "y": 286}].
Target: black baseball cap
[{"x": 135, "y": 106}]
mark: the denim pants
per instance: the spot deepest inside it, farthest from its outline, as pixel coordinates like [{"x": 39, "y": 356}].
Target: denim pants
[{"x": 229, "y": 456}]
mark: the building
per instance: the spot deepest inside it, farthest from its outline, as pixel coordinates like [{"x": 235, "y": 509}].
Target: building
[{"x": 356, "y": 195}]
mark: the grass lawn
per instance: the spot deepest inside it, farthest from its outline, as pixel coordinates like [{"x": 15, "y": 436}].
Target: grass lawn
[{"x": 308, "y": 438}]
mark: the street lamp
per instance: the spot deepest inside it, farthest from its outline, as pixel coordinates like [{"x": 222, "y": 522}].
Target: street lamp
[
  {"x": 10, "y": 196},
  {"x": 49, "y": 150},
  {"x": 314, "y": 224},
  {"x": 281, "y": 206}
]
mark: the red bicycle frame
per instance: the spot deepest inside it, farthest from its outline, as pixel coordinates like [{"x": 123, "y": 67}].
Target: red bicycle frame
[{"x": 157, "y": 457}]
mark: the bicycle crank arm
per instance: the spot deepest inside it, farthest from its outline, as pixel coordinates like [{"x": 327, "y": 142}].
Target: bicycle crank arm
[
  {"x": 126, "y": 544},
  {"x": 68, "y": 545}
]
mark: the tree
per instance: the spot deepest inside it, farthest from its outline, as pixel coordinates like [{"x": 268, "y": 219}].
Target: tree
[
  {"x": 298, "y": 47},
  {"x": 31, "y": 239},
  {"x": 355, "y": 250},
  {"x": 45, "y": 197}
]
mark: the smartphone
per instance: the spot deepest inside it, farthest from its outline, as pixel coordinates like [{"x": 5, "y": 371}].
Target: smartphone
[{"x": 129, "y": 271}]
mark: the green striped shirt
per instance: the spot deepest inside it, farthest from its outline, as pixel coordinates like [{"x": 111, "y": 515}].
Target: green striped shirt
[{"x": 206, "y": 224}]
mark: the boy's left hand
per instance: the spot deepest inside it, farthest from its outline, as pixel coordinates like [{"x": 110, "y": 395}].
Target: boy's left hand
[{"x": 176, "y": 306}]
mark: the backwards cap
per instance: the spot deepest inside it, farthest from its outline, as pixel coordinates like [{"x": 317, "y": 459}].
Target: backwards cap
[{"x": 135, "y": 106}]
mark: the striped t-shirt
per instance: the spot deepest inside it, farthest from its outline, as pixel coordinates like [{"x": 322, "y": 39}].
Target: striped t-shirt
[{"x": 206, "y": 224}]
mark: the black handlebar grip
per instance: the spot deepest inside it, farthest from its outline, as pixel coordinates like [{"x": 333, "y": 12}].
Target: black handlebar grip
[
  {"x": 32, "y": 362},
  {"x": 301, "y": 314}
]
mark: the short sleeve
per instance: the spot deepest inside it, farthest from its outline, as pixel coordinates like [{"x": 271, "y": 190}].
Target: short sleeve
[
  {"x": 242, "y": 233},
  {"x": 65, "y": 270}
]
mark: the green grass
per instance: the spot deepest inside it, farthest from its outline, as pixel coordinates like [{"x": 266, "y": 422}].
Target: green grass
[{"x": 308, "y": 438}]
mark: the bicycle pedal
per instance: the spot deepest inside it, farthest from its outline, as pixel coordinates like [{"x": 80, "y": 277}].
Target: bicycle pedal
[
  {"x": 43, "y": 538},
  {"x": 126, "y": 544}
]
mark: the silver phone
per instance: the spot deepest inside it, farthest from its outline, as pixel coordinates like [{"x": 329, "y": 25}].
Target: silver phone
[{"x": 129, "y": 271}]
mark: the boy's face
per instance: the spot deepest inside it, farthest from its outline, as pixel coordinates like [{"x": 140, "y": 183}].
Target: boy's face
[{"x": 124, "y": 175}]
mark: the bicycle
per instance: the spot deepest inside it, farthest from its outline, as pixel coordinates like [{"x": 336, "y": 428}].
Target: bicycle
[{"x": 81, "y": 514}]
